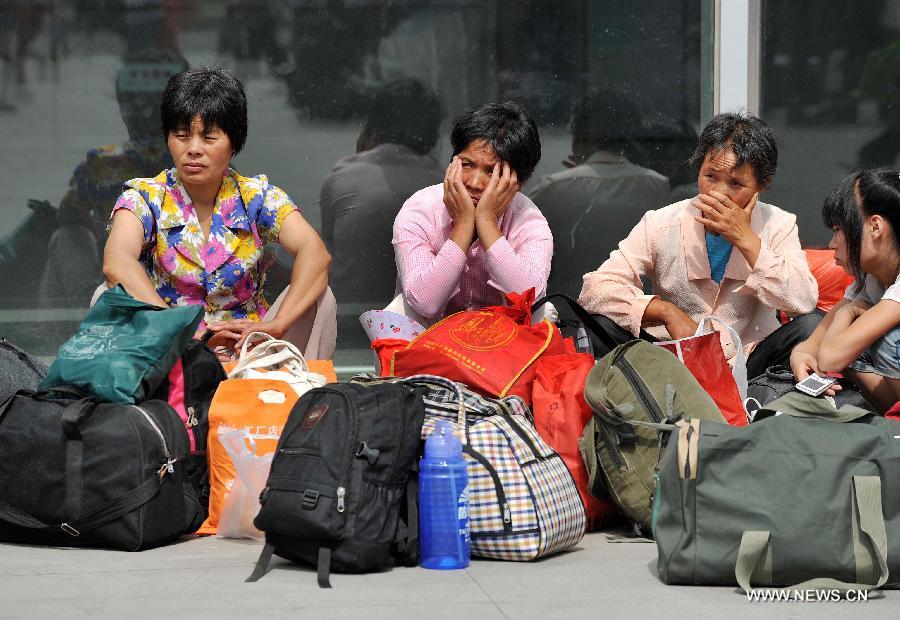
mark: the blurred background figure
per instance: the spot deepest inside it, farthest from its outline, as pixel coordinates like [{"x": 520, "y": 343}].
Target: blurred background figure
[
  {"x": 364, "y": 192},
  {"x": 74, "y": 254},
  {"x": 602, "y": 195},
  {"x": 880, "y": 82},
  {"x": 665, "y": 145}
]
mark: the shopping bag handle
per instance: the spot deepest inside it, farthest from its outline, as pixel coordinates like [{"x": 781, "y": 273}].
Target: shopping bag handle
[
  {"x": 867, "y": 524},
  {"x": 270, "y": 353},
  {"x": 739, "y": 371}
]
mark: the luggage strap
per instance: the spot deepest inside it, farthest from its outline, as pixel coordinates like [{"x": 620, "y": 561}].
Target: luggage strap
[
  {"x": 323, "y": 567},
  {"x": 867, "y": 525},
  {"x": 110, "y": 511},
  {"x": 73, "y": 416},
  {"x": 589, "y": 322},
  {"x": 262, "y": 564}
]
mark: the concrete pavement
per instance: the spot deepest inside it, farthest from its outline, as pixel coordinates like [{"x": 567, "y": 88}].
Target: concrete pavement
[{"x": 204, "y": 578}]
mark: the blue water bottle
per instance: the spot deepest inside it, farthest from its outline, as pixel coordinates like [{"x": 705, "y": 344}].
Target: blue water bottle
[{"x": 443, "y": 502}]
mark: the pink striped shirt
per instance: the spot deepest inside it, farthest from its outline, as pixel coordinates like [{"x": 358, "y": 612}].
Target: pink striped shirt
[{"x": 437, "y": 278}]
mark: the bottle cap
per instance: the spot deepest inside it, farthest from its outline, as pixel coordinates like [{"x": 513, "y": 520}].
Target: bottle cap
[{"x": 443, "y": 444}]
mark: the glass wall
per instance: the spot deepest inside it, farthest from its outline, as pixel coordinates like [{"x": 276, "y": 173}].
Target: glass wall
[
  {"x": 830, "y": 86},
  {"x": 80, "y": 81}
]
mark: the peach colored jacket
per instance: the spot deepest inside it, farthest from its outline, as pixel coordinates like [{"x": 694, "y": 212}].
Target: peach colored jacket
[{"x": 668, "y": 246}]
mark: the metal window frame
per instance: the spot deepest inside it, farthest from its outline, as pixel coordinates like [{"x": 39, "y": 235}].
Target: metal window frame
[{"x": 737, "y": 56}]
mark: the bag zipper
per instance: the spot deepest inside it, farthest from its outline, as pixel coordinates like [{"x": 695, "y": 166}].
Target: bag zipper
[
  {"x": 169, "y": 466},
  {"x": 639, "y": 387},
  {"x": 341, "y": 491},
  {"x": 511, "y": 418},
  {"x": 502, "y": 503}
]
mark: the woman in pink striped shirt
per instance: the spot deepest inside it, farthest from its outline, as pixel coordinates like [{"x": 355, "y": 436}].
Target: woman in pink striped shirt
[{"x": 468, "y": 242}]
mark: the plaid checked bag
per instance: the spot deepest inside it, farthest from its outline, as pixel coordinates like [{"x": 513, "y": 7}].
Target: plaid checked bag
[{"x": 523, "y": 502}]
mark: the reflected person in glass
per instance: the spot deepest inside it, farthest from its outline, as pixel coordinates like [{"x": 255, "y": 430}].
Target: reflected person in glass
[
  {"x": 364, "y": 192},
  {"x": 723, "y": 253},
  {"x": 195, "y": 233},
  {"x": 466, "y": 243},
  {"x": 595, "y": 203},
  {"x": 75, "y": 249}
]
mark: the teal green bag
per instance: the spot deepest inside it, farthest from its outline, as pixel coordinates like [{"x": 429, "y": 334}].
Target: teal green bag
[
  {"x": 809, "y": 499},
  {"x": 124, "y": 348}
]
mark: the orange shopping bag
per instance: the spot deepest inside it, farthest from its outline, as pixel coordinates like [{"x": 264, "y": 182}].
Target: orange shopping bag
[{"x": 261, "y": 407}]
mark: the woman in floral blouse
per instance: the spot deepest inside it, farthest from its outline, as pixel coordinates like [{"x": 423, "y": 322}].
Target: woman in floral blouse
[{"x": 195, "y": 234}]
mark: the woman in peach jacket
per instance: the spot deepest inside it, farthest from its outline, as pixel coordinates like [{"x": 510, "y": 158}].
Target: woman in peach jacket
[{"x": 723, "y": 253}]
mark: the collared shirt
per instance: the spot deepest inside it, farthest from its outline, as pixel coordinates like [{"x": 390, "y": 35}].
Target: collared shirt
[
  {"x": 669, "y": 247},
  {"x": 223, "y": 271},
  {"x": 437, "y": 278},
  {"x": 359, "y": 201},
  {"x": 590, "y": 208}
]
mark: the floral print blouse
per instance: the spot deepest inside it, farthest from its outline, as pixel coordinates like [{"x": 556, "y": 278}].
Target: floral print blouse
[{"x": 223, "y": 272}]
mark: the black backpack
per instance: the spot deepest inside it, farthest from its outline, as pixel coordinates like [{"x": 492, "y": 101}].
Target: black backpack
[
  {"x": 339, "y": 478},
  {"x": 77, "y": 472}
]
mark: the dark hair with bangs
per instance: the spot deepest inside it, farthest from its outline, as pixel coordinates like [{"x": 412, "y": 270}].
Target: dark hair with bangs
[
  {"x": 839, "y": 211},
  {"x": 508, "y": 128},
  {"x": 750, "y": 139},
  {"x": 213, "y": 93}
]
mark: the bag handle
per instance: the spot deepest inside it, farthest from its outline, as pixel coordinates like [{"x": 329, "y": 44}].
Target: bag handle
[
  {"x": 781, "y": 373},
  {"x": 68, "y": 390},
  {"x": 455, "y": 387},
  {"x": 270, "y": 353},
  {"x": 589, "y": 322},
  {"x": 867, "y": 524},
  {"x": 739, "y": 371}
]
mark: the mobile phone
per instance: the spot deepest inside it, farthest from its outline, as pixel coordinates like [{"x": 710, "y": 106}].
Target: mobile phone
[{"x": 814, "y": 384}]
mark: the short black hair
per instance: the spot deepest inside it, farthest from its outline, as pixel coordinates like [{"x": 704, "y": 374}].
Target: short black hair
[
  {"x": 404, "y": 112},
  {"x": 750, "y": 139},
  {"x": 507, "y": 128},
  {"x": 604, "y": 117},
  {"x": 840, "y": 211},
  {"x": 213, "y": 93}
]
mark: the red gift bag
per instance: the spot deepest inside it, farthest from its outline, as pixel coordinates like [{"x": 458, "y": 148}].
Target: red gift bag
[
  {"x": 492, "y": 350},
  {"x": 560, "y": 415},
  {"x": 703, "y": 355}
]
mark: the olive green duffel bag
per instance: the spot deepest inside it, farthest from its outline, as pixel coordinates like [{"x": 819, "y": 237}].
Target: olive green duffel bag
[
  {"x": 810, "y": 496},
  {"x": 636, "y": 392}
]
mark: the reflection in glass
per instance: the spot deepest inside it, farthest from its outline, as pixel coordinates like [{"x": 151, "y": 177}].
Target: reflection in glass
[{"x": 310, "y": 69}]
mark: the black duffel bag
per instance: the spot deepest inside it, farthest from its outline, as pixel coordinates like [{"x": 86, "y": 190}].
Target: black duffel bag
[{"x": 77, "y": 472}]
